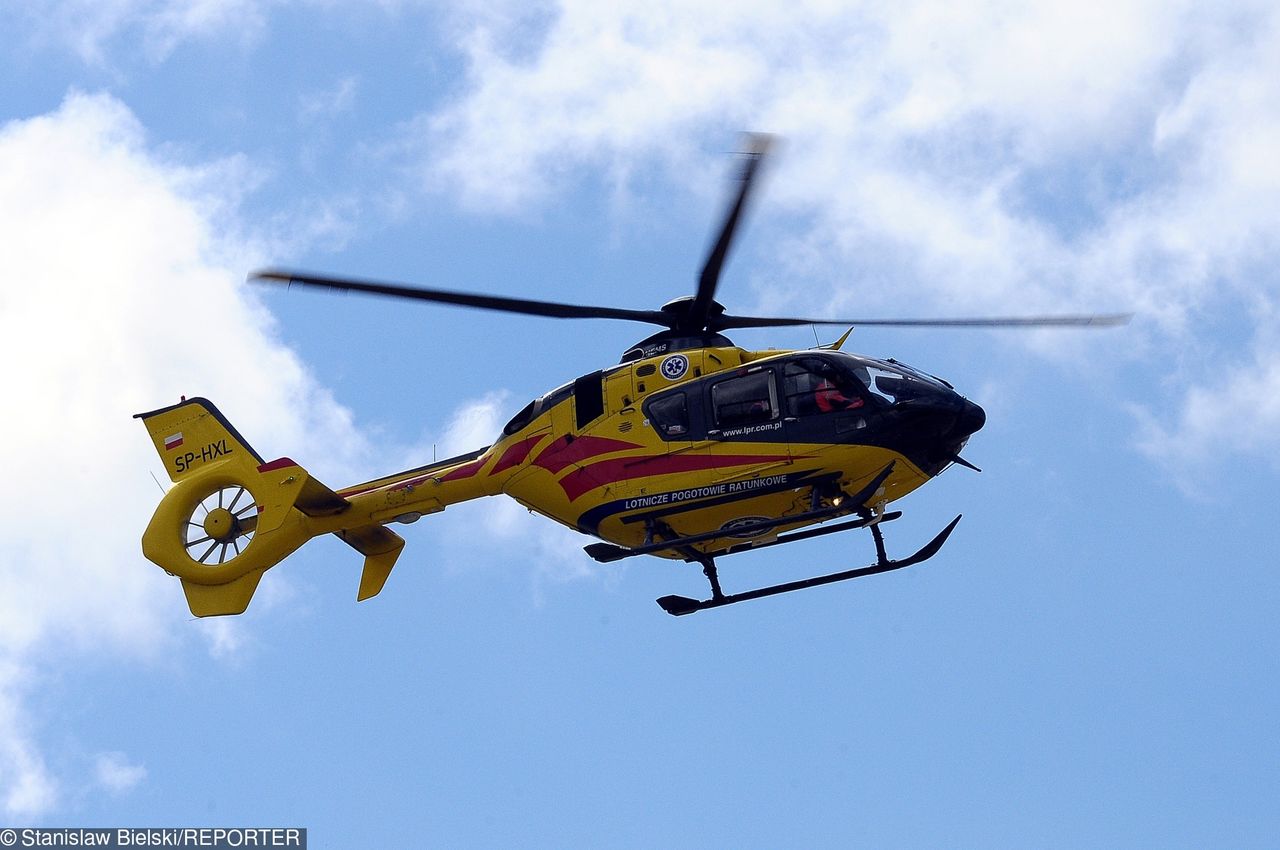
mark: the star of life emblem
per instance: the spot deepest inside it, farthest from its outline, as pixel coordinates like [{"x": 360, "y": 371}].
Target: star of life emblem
[{"x": 674, "y": 366}]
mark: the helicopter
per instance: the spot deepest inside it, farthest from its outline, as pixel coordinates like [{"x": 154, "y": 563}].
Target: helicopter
[{"x": 690, "y": 448}]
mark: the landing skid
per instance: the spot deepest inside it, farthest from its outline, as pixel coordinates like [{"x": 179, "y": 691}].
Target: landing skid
[{"x": 681, "y": 605}]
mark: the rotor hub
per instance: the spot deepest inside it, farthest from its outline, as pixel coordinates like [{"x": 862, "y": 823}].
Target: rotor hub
[
  {"x": 221, "y": 525},
  {"x": 681, "y": 311}
]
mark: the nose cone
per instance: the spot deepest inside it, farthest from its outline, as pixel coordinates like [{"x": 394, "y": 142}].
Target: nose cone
[
  {"x": 970, "y": 419},
  {"x": 955, "y": 420}
]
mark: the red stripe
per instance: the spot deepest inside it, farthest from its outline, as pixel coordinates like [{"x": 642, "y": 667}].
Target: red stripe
[
  {"x": 465, "y": 471},
  {"x": 588, "y": 478},
  {"x": 567, "y": 450},
  {"x": 279, "y": 463},
  {"x": 515, "y": 454},
  {"x": 392, "y": 485}
]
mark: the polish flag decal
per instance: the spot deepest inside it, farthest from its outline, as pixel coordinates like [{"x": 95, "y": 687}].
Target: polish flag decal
[{"x": 173, "y": 441}]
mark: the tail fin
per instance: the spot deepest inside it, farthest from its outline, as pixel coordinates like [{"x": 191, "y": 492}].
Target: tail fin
[
  {"x": 230, "y": 517},
  {"x": 191, "y": 434}
]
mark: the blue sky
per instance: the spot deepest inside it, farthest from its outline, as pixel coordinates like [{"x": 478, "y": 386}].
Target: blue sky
[{"x": 1085, "y": 662}]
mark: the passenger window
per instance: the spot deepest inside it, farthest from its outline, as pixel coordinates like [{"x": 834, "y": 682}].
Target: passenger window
[
  {"x": 745, "y": 400},
  {"x": 813, "y": 387},
  {"x": 669, "y": 414}
]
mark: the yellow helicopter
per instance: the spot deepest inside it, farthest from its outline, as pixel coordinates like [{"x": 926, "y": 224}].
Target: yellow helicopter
[{"x": 690, "y": 448}]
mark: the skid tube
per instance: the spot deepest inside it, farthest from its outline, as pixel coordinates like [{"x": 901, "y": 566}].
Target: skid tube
[{"x": 680, "y": 605}]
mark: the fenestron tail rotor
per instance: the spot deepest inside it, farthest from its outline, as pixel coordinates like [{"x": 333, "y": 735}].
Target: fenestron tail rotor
[{"x": 221, "y": 525}]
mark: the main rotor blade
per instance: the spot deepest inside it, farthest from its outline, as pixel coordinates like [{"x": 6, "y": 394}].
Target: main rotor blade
[
  {"x": 758, "y": 145},
  {"x": 525, "y": 306},
  {"x": 1105, "y": 320}
]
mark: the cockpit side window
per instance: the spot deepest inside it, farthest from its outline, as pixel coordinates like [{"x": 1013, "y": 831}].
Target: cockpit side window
[
  {"x": 537, "y": 407},
  {"x": 521, "y": 419},
  {"x": 813, "y": 387},
  {"x": 669, "y": 414},
  {"x": 745, "y": 400}
]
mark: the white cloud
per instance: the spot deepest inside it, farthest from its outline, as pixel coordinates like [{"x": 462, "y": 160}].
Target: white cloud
[
  {"x": 106, "y": 33},
  {"x": 226, "y": 635},
  {"x": 116, "y": 774},
  {"x": 475, "y": 424},
  {"x": 124, "y": 289},
  {"x": 861, "y": 82},
  {"x": 330, "y": 102},
  {"x": 122, "y": 293},
  {"x": 26, "y": 786},
  {"x": 90, "y": 28},
  {"x": 1235, "y": 411}
]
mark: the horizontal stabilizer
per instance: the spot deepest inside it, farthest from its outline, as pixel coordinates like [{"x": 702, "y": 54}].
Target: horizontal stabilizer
[
  {"x": 313, "y": 498},
  {"x": 318, "y": 500}
]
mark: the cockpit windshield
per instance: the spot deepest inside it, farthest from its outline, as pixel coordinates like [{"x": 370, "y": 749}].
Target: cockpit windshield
[
  {"x": 917, "y": 374},
  {"x": 890, "y": 380}
]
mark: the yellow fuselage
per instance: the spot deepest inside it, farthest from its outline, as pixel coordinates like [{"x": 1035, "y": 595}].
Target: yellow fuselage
[{"x": 608, "y": 477}]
